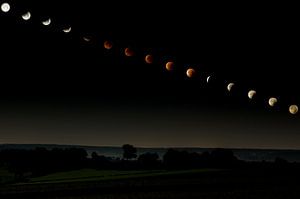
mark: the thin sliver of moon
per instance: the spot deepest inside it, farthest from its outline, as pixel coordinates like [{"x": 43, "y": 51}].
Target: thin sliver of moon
[
  {"x": 230, "y": 86},
  {"x": 208, "y": 78},
  {"x": 67, "y": 30},
  {"x": 87, "y": 39}
]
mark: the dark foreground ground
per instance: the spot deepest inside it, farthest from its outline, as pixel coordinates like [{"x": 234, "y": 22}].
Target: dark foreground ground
[{"x": 210, "y": 184}]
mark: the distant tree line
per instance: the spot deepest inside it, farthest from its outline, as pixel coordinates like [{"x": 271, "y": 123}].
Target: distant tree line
[{"x": 41, "y": 161}]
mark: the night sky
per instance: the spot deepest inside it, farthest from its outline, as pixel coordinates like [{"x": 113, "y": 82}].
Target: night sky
[{"x": 57, "y": 88}]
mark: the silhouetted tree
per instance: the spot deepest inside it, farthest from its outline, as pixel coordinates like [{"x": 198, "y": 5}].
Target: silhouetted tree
[
  {"x": 100, "y": 161},
  {"x": 41, "y": 161},
  {"x": 149, "y": 160},
  {"x": 129, "y": 152},
  {"x": 223, "y": 158},
  {"x": 174, "y": 159}
]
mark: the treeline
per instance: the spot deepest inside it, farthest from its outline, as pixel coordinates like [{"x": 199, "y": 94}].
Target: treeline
[{"x": 41, "y": 161}]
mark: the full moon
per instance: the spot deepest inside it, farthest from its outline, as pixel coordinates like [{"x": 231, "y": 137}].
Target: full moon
[
  {"x": 149, "y": 59},
  {"x": 67, "y": 30},
  {"x": 251, "y": 94},
  {"x": 129, "y": 52},
  {"x": 5, "y": 7},
  {"x": 170, "y": 65},
  {"x": 46, "y": 22},
  {"x": 190, "y": 72},
  {"x": 293, "y": 109},
  {"x": 229, "y": 86},
  {"x": 272, "y": 101},
  {"x": 108, "y": 45},
  {"x": 26, "y": 16}
]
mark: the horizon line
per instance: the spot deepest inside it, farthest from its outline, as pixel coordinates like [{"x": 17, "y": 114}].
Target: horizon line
[{"x": 156, "y": 147}]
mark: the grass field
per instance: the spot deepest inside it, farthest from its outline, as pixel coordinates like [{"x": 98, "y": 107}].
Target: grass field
[
  {"x": 5, "y": 176},
  {"x": 158, "y": 184},
  {"x": 98, "y": 175}
]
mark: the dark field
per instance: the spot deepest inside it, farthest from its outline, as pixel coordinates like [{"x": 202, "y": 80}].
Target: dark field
[{"x": 204, "y": 183}]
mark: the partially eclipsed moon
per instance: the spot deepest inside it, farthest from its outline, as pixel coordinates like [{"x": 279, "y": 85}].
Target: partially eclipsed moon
[
  {"x": 229, "y": 86},
  {"x": 67, "y": 30},
  {"x": 149, "y": 59},
  {"x": 208, "y": 78},
  {"x": 190, "y": 72},
  {"x": 272, "y": 101},
  {"x": 170, "y": 65},
  {"x": 26, "y": 16},
  {"x": 293, "y": 109},
  {"x": 5, "y": 7},
  {"x": 108, "y": 45},
  {"x": 87, "y": 39},
  {"x": 46, "y": 22},
  {"x": 129, "y": 52},
  {"x": 251, "y": 94}
]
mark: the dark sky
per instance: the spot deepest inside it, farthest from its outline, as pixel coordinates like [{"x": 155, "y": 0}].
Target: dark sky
[{"x": 57, "y": 88}]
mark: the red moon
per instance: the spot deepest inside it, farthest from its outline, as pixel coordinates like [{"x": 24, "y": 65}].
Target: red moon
[
  {"x": 108, "y": 45},
  {"x": 190, "y": 72},
  {"x": 149, "y": 59},
  {"x": 170, "y": 65},
  {"x": 129, "y": 52}
]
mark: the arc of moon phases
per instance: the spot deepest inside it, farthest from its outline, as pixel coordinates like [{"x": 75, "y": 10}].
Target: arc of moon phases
[
  {"x": 46, "y": 22},
  {"x": 108, "y": 45},
  {"x": 5, "y": 7},
  {"x": 190, "y": 72},
  {"x": 129, "y": 52},
  {"x": 272, "y": 101},
  {"x": 251, "y": 94},
  {"x": 229, "y": 86},
  {"x": 149, "y": 59},
  {"x": 293, "y": 109},
  {"x": 26, "y": 16},
  {"x": 208, "y": 78},
  {"x": 170, "y": 65},
  {"x": 67, "y": 30}
]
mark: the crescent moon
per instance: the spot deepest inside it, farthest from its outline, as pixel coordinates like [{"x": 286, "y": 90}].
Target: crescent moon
[
  {"x": 229, "y": 86},
  {"x": 272, "y": 101},
  {"x": 46, "y": 22},
  {"x": 251, "y": 94},
  {"x": 26, "y": 16},
  {"x": 67, "y": 30},
  {"x": 293, "y": 109},
  {"x": 208, "y": 78},
  {"x": 149, "y": 59},
  {"x": 170, "y": 65},
  {"x": 129, "y": 52},
  {"x": 86, "y": 39}
]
